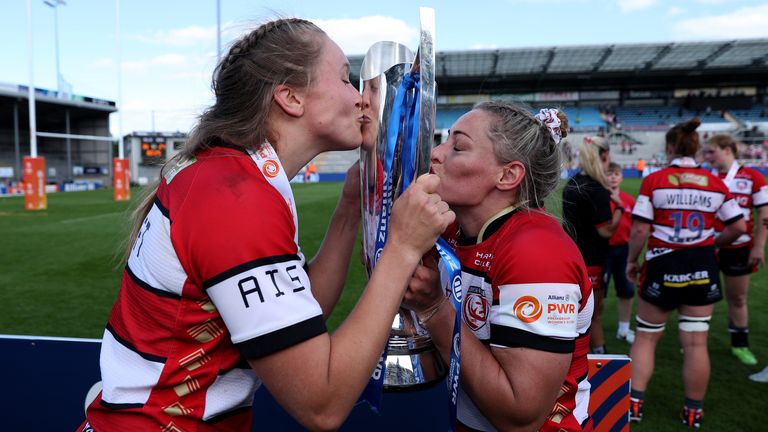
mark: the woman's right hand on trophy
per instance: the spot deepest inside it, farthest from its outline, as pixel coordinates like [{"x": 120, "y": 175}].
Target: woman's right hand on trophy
[{"x": 419, "y": 215}]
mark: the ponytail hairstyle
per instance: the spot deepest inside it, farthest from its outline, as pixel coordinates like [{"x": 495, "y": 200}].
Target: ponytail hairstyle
[
  {"x": 591, "y": 151},
  {"x": 519, "y": 136},
  {"x": 724, "y": 141},
  {"x": 283, "y": 51},
  {"x": 682, "y": 139}
]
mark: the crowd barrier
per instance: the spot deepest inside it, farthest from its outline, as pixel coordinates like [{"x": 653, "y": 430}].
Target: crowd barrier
[{"x": 46, "y": 382}]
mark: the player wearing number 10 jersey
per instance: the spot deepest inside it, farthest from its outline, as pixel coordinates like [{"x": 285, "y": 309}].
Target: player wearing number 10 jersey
[{"x": 677, "y": 207}]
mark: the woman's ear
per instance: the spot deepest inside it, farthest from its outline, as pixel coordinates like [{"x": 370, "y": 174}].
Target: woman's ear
[
  {"x": 512, "y": 174},
  {"x": 289, "y": 100}
]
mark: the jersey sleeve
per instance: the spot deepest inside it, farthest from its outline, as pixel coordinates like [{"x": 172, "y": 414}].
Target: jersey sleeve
[
  {"x": 539, "y": 297},
  {"x": 242, "y": 250},
  {"x": 759, "y": 189},
  {"x": 729, "y": 212},
  {"x": 643, "y": 209}
]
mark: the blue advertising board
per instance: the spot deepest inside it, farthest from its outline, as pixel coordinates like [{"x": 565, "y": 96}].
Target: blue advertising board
[{"x": 46, "y": 382}]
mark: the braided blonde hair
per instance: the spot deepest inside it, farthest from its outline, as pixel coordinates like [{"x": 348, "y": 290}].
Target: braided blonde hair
[{"x": 283, "y": 51}]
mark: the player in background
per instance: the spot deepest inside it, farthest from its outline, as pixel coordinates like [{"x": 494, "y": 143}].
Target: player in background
[
  {"x": 675, "y": 212},
  {"x": 527, "y": 298},
  {"x": 616, "y": 266},
  {"x": 217, "y": 297},
  {"x": 590, "y": 220},
  {"x": 747, "y": 253},
  {"x": 762, "y": 376}
]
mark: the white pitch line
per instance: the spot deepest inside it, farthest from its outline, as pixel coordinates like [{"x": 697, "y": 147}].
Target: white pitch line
[{"x": 88, "y": 218}]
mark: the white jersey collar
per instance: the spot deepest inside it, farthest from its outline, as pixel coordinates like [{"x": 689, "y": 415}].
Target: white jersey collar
[
  {"x": 269, "y": 165},
  {"x": 684, "y": 162}
]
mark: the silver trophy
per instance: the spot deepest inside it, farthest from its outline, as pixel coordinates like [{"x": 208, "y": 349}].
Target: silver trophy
[{"x": 412, "y": 360}]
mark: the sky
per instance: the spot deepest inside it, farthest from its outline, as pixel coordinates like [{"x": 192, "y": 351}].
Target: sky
[{"x": 168, "y": 47}]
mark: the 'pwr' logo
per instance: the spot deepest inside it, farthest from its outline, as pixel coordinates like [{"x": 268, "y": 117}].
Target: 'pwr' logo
[{"x": 561, "y": 308}]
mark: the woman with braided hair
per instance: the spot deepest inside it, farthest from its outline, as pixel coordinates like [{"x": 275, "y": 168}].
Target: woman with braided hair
[
  {"x": 217, "y": 297},
  {"x": 527, "y": 300}
]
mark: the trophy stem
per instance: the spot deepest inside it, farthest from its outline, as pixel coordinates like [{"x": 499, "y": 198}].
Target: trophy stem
[{"x": 412, "y": 360}]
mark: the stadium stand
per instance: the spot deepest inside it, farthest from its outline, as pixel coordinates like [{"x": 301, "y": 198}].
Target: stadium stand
[
  {"x": 629, "y": 92},
  {"x": 67, "y": 159}
]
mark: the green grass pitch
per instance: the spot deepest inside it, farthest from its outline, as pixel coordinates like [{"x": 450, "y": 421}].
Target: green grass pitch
[{"x": 60, "y": 272}]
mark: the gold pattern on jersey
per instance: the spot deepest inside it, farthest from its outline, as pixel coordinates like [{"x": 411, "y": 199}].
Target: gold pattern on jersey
[
  {"x": 195, "y": 359},
  {"x": 176, "y": 409},
  {"x": 187, "y": 386},
  {"x": 559, "y": 412},
  {"x": 205, "y": 332},
  {"x": 171, "y": 427},
  {"x": 206, "y": 305}
]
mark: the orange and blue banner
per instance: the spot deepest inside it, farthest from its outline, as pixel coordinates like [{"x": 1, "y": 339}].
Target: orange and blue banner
[{"x": 610, "y": 377}]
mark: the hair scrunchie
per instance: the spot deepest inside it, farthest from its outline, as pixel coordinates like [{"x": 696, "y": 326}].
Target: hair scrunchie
[{"x": 548, "y": 116}]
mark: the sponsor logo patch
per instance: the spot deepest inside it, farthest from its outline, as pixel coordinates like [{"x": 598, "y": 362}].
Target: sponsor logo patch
[
  {"x": 527, "y": 309},
  {"x": 271, "y": 169},
  {"x": 475, "y": 308},
  {"x": 685, "y": 279}
]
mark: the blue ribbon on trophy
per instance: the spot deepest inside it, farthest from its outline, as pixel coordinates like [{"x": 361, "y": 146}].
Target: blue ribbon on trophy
[
  {"x": 451, "y": 266},
  {"x": 397, "y": 143}
]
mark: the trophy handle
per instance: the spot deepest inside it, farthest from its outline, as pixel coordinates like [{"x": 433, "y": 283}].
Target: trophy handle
[{"x": 425, "y": 65}]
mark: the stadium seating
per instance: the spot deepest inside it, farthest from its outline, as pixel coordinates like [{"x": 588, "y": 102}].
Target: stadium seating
[
  {"x": 579, "y": 117},
  {"x": 662, "y": 115}
]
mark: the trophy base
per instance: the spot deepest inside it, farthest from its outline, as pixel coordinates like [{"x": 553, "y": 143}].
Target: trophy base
[{"x": 412, "y": 361}]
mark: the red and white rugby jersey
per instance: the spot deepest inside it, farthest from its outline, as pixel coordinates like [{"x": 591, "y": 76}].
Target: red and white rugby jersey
[
  {"x": 214, "y": 277},
  {"x": 525, "y": 285},
  {"x": 681, "y": 203},
  {"x": 749, "y": 189}
]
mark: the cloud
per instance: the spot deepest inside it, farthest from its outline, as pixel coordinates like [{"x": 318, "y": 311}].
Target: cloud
[
  {"x": 185, "y": 36},
  {"x": 747, "y": 22},
  {"x": 481, "y": 46},
  {"x": 104, "y": 62},
  {"x": 144, "y": 65},
  {"x": 674, "y": 11},
  {"x": 185, "y": 70},
  {"x": 635, "y": 5},
  {"x": 160, "y": 62},
  {"x": 355, "y": 36},
  {"x": 141, "y": 112}
]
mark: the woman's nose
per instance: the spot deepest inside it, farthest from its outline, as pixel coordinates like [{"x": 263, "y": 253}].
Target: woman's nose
[{"x": 434, "y": 155}]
